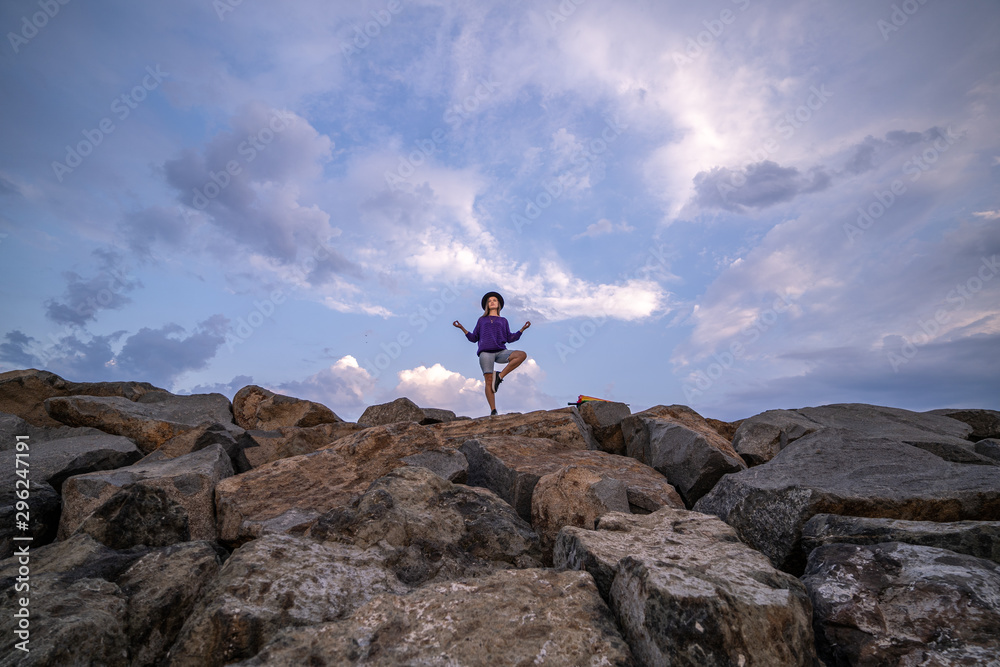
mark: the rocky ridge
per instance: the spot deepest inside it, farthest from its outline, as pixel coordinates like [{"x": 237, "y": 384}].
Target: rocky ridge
[{"x": 188, "y": 530}]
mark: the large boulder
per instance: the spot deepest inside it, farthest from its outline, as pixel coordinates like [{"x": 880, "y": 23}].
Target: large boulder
[
  {"x": 44, "y": 508},
  {"x": 291, "y": 493},
  {"x": 761, "y": 437},
  {"x": 563, "y": 425},
  {"x": 515, "y": 617},
  {"x": 54, "y": 461},
  {"x": 23, "y": 393},
  {"x": 446, "y": 462},
  {"x": 843, "y": 472},
  {"x": 285, "y": 441},
  {"x": 984, "y": 423},
  {"x": 429, "y": 528},
  {"x": 150, "y": 421},
  {"x": 273, "y": 583},
  {"x": 403, "y": 410},
  {"x": 605, "y": 421},
  {"x": 12, "y": 426},
  {"x": 256, "y": 408},
  {"x": 686, "y": 591},
  {"x": 990, "y": 448},
  {"x": 678, "y": 442},
  {"x": 973, "y": 538},
  {"x": 511, "y": 466},
  {"x": 901, "y": 604},
  {"x": 79, "y": 557},
  {"x": 154, "y": 503},
  {"x": 230, "y": 437}
]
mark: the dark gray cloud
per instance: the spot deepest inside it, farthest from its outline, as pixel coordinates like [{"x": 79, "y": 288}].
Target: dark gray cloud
[
  {"x": 228, "y": 389},
  {"x": 160, "y": 355},
  {"x": 167, "y": 226},
  {"x": 84, "y": 298},
  {"x": 15, "y": 350},
  {"x": 757, "y": 186},
  {"x": 867, "y": 154}
]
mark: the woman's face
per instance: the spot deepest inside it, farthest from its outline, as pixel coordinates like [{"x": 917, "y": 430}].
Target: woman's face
[{"x": 493, "y": 303}]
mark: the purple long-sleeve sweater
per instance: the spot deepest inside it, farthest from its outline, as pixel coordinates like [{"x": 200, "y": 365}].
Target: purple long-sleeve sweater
[{"x": 492, "y": 334}]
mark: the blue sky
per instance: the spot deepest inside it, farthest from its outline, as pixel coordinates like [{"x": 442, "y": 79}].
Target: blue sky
[{"x": 735, "y": 205}]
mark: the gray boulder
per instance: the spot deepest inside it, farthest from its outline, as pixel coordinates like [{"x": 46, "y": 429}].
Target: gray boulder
[
  {"x": 149, "y": 421},
  {"x": 605, "y": 421},
  {"x": 12, "y": 426},
  {"x": 429, "y": 528},
  {"x": 79, "y": 557},
  {"x": 843, "y": 472},
  {"x": 403, "y": 410},
  {"x": 515, "y": 617},
  {"x": 153, "y": 503},
  {"x": 759, "y": 438},
  {"x": 902, "y": 604},
  {"x": 256, "y": 408},
  {"x": 686, "y": 591},
  {"x": 984, "y": 423},
  {"x": 446, "y": 462},
  {"x": 54, "y": 461},
  {"x": 973, "y": 538},
  {"x": 990, "y": 448},
  {"x": 271, "y": 584},
  {"x": 44, "y": 508}
]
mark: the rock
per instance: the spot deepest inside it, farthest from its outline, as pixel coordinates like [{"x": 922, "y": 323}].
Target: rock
[
  {"x": 677, "y": 442},
  {"x": 23, "y": 393},
  {"x": 437, "y": 416},
  {"x": 984, "y": 423},
  {"x": 446, "y": 462},
  {"x": 256, "y": 408},
  {"x": 973, "y": 538},
  {"x": 229, "y": 436},
  {"x": 901, "y": 604},
  {"x": 273, "y": 583},
  {"x": 44, "y": 508},
  {"x": 990, "y": 448},
  {"x": 515, "y": 617},
  {"x": 573, "y": 496},
  {"x": 726, "y": 429},
  {"x": 161, "y": 589},
  {"x": 78, "y": 623},
  {"x": 53, "y": 461},
  {"x": 152, "y": 420},
  {"x": 761, "y": 437},
  {"x": 289, "y": 494},
  {"x": 12, "y": 426},
  {"x": 171, "y": 490},
  {"x": 429, "y": 528},
  {"x": 79, "y": 557},
  {"x": 686, "y": 591},
  {"x": 511, "y": 466},
  {"x": 842, "y": 472},
  {"x": 564, "y": 425},
  {"x": 403, "y": 410},
  {"x": 266, "y": 446},
  {"x": 605, "y": 421}
]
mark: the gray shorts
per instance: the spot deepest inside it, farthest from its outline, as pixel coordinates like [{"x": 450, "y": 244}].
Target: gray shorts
[{"x": 487, "y": 359}]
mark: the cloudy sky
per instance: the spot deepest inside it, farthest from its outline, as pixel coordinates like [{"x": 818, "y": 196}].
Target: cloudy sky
[{"x": 735, "y": 205}]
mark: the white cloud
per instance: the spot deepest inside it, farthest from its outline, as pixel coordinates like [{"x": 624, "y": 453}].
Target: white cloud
[
  {"x": 344, "y": 387},
  {"x": 602, "y": 227},
  {"x": 988, "y": 215}
]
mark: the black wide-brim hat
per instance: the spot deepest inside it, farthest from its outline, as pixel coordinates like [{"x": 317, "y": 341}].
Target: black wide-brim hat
[{"x": 488, "y": 295}]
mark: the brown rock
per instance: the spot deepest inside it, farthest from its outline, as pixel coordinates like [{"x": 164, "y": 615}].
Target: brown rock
[
  {"x": 23, "y": 393},
  {"x": 287, "y": 441},
  {"x": 564, "y": 426},
  {"x": 289, "y": 494},
  {"x": 726, "y": 429},
  {"x": 605, "y": 419},
  {"x": 256, "y": 408}
]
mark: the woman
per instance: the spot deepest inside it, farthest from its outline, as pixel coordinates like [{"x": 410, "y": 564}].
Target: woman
[{"x": 493, "y": 333}]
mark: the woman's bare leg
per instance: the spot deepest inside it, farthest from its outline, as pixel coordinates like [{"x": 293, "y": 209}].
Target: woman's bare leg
[
  {"x": 489, "y": 391},
  {"x": 516, "y": 358}
]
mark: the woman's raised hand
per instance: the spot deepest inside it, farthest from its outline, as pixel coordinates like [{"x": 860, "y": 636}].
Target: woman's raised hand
[
  {"x": 526, "y": 325},
  {"x": 457, "y": 324}
]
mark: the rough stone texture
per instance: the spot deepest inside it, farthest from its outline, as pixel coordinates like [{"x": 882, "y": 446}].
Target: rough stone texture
[
  {"x": 150, "y": 421},
  {"x": 272, "y": 583},
  {"x": 573, "y": 496},
  {"x": 843, "y": 472},
  {"x": 54, "y": 461},
  {"x": 726, "y": 429},
  {"x": 446, "y": 462},
  {"x": 990, "y": 448},
  {"x": 162, "y": 589},
  {"x": 984, "y": 423},
  {"x": 23, "y": 393},
  {"x": 901, "y": 604},
  {"x": 399, "y": 410},
  {"x": 429, "y": 528},
  {"x": 516, "y": 617},
  {"x": 679, "y": 443},
  {"x": 256, "y": 408},
  {"x": 230, "y": 437},
  {"x": 510, "y": 466},
  {"x": 564, "y": 426},
  {"x": 973, "y": 538},
  {"x": 290, "y": 493},
  {"x": 12, "y": 426},
  {"x": 761, "y": 437},
  {"x": 437, "y": 416},
  {"x": 686, "y": 591},
  {"x": 78, "y": 623},
  {"x": 79, "y": 557},
  {"x": 605, "y": 421},
  {"x": 174, "y": 487},
  {"x": 266, "y": 446},
  {"x": 44, "y": 508}
]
